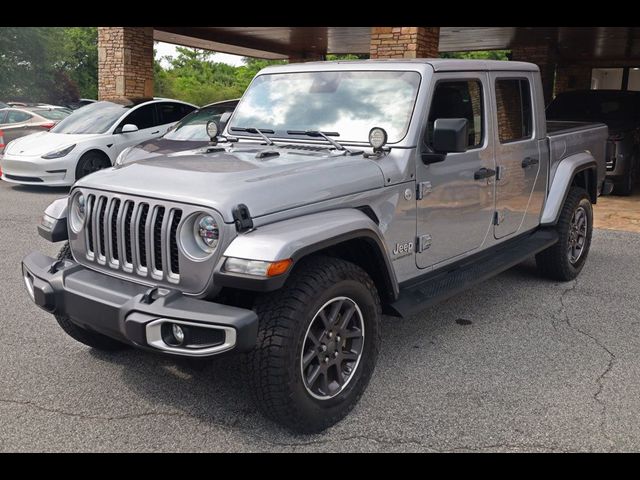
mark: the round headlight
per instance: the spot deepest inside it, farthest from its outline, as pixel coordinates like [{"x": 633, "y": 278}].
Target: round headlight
[
  {"x": 77, "y": 212},
  {"x": 377, "y": 138},
  {"x": 207, "y": 233},
  {"x": 212, "y": 129}
]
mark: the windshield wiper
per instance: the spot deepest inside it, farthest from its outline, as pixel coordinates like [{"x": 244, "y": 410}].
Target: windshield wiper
[
  {"x": 259, "y": 131},
  {"x": 318, "y": 133}
]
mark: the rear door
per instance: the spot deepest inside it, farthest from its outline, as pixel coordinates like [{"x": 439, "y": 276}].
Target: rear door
[
  {"x": 16, "y": 124},
  {"x": 517, "y": 155},
  {"x": 170, "y": 113}
]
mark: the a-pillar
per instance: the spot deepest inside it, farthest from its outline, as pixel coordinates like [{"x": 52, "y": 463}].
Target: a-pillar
[
  {"x": 125, "y": 62},
  {"x": 404, "y": 42},
  {"x": 545, "y": 57}
]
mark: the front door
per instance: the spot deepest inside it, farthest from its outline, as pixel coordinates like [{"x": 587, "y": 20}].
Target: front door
[
  {"x": 457, "y": 204},
  {"x": 517, "y": 156},
  {"x": 146, "y": 119}
]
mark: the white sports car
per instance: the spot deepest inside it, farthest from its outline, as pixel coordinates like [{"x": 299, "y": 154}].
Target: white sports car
[{"x": 88, "y": 140}]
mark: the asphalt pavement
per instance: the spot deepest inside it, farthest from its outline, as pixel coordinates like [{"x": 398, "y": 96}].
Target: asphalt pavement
[{"x": 517, "y": 364}]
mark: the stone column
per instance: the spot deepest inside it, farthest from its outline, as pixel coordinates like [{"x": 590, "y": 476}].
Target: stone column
[
  {"x": 125, "y": 62},
  {"x": 572, "y": 77},
  {"x": 545, "y": 57},
  {"x": 404, "y": 42}
]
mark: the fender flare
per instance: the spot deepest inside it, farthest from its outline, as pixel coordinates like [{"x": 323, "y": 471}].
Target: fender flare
[
  {"x": 53, "y": 226},
  {"x": 565, "y": 173},
  {"x": 299, "y": 237}
]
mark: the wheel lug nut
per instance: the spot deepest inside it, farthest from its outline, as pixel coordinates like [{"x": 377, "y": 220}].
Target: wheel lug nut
[
  {"x": 330, "y": 335},
  {"x": 337, "y": 338},
  {"x": 326, "y": 359},
  {"x": 335, "y": 354},
  {"x": 323, "y": 347}
]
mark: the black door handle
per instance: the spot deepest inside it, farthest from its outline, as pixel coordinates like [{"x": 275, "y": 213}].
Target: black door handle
[
  {"x": 529, "y": 161},
  {"x": 484, "y": 173},
  {"x": 157, "y": 131}
]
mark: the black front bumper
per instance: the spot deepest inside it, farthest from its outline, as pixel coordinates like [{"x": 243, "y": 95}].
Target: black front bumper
[{"x": 122, "y": 310}]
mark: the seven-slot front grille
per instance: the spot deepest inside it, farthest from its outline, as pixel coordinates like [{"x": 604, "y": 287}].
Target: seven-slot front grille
[{"x": 134, "y": 236}]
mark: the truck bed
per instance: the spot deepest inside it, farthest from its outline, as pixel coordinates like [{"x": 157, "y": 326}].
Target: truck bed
[{"x": 567, "y": 138}]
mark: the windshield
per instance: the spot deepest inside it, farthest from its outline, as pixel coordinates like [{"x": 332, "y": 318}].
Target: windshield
[
  {"x": 194, "y": 126},
  {"x": 593, "y": 107},
  {"x": 95, "y": 118},
  {"x": 350, "y": 103},
  {"x": 53, "y": 114}
]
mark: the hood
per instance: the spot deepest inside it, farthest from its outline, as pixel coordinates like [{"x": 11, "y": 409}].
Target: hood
[
  {"x": 223, "y": 179},
  {"x": 160, "y": 146},
  {"x": 42, "y": 143}
]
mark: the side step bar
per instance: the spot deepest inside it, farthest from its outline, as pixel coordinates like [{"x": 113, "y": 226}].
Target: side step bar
[{"x": 441, "y": 285}]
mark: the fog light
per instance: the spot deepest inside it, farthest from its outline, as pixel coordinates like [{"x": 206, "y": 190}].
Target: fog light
[{"x": 178, "y": 333}]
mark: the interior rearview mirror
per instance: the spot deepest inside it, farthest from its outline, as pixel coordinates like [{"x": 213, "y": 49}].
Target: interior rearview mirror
[
  {"x": 129, "y": 128},
  {"x": 450, "y": 135}
]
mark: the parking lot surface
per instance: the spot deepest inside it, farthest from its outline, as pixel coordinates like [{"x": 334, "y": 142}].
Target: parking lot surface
[{"x": 519, "y": 363}]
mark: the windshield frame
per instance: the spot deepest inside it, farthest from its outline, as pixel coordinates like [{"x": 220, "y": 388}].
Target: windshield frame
[{"x": 331, "y": 67}]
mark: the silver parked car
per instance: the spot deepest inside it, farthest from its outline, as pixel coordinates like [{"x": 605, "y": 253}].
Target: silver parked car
[{"x": 17, "y": 122}]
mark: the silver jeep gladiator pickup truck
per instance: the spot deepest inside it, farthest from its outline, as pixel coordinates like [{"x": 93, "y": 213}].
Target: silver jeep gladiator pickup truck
[{"x": 337, "y": 192}]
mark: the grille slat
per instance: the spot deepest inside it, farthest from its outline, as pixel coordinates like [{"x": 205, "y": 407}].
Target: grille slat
[
  {"x": 89, "y": 231},
  {"x": 114, "y": 248},
  {"x": 156, "y": 240},
  {"x": 143, "y": 213},
  {"x": 176, "y": 215},
  {"x": 135, "y": 237}
]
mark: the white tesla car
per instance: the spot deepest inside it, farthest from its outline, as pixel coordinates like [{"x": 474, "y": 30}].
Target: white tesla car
[{"x": 88, "y": 140}]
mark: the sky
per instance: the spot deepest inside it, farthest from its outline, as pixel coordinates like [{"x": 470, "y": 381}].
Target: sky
[{"x": 163, "y": 49}]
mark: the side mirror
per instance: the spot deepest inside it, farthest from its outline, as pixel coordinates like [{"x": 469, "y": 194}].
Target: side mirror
[
  {"x": 224, "y": 118},
  {"x": 129, "y": 128},
  {"x": 450, "y": 135}
]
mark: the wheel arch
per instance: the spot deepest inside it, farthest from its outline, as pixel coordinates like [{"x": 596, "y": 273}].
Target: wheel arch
[
  {"x": 349, "y": 234},
  {"x": 579, "y": 170},
  {"x": 89, "y": 150}
]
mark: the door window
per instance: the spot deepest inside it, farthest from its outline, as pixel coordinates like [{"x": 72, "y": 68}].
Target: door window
[
  {"x": 458, "y": 99},
  {"x": 143, "y": 117},
  {"x": 513, "y": 104},
  {"x": 172, "y": 112},
  {"x": 16, "y": 116}
]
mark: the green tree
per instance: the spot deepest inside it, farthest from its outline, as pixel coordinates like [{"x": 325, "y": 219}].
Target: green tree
[
  {"x": 479, "y": 55},
  {"x": 79, "y": 58},
  {"x": 48, "y": 64},
  {"x": 193, "y": 76}
]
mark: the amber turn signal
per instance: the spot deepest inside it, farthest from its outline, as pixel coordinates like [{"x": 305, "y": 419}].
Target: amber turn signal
[{"x": 279, "y": 267}]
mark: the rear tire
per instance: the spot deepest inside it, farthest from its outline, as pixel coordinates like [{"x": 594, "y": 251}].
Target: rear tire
[
  {"x": 82, "y": 335},
  {"x": 303, "y": 371},
  {"x": 564, "y": 260},
  {"x": 91, "y": 162}
]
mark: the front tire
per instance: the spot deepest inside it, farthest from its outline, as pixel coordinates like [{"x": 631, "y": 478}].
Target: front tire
[
  {"x": 317, "y": 345},
  {"x": 564, "y": 260},
  {"x": 82, "y": 335}
]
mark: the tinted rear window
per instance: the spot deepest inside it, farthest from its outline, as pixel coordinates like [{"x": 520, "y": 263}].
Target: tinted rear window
[{"x": 593, "y": 107}]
